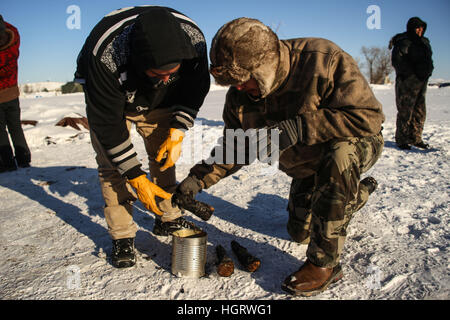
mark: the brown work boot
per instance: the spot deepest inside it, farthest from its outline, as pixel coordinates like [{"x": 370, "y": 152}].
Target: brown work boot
[{"x": 310, "y": 279}]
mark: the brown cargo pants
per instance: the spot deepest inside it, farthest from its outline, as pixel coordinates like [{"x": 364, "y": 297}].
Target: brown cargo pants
[
  {"x": 322, "y": 205},
  {"x": 119, "y": 196}
]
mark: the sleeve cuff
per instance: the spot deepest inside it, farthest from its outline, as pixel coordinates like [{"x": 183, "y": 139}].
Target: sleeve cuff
[
  {"x": 134, "y": 172},
  {"x": 183, "y": 117}
]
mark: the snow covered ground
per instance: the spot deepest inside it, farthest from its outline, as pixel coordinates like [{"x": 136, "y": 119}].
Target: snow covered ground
[{"x": 55, "y": 245}]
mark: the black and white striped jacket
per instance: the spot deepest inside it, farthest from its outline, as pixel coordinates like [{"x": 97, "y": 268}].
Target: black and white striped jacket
[{"x": 113, "y": 89}]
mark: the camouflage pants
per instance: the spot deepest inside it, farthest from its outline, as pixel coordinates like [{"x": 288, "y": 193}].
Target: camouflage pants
[
  {"x": 322, "y": 205},
  {"x": 411, "y": 111}
]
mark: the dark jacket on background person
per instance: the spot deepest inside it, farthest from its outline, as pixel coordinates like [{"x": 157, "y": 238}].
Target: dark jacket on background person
[
  {"x": 112, "y": 65},
  {"x": 412, "y": 54}
]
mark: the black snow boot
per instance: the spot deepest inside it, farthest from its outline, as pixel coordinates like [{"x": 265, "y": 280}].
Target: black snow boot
[
  {"x": 23, "y": 157},
  {"x": 404, "y": 146},
  {"x": 7, "y": 161},
  {"x": 370, "y": 183},
  {"x": 123, "y": 255},
  {"x": 169, "y": 227}
]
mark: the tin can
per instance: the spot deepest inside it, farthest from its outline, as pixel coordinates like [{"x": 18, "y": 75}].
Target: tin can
[{"x": 189, "y": 253}]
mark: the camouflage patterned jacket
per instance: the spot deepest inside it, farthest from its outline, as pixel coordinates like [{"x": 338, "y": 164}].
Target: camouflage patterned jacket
[{"x": 315, "y": 81}]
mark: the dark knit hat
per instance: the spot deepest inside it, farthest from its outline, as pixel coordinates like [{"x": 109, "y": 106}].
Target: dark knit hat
[
  {"x": 158, "y": 41},
  {"x": 169, "y": 66}
]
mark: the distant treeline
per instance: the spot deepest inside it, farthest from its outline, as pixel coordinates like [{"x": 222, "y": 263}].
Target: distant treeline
[{"x": 71, "y": 87}]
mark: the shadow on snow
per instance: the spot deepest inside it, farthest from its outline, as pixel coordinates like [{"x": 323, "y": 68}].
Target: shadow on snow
[{"x": 266, "y": 214}]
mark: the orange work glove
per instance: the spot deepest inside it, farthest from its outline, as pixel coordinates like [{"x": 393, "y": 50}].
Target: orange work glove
[
  {"x": 172, "y": 146},
  {"x": 146, "y": 192}
]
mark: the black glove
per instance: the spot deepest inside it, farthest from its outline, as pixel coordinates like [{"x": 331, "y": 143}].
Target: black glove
[
  {"x": 189, "y": 186},
  {"x": 278, "y": 138},
  {"x": 184, "y": 197}
]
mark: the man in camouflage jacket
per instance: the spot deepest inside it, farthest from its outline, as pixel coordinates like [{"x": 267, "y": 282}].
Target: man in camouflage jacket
[
  {"x": 411, "y": 58},
  {"x": 312, "y": 93}
]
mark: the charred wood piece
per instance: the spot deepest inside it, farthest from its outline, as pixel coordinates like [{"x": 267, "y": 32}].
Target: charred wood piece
[
  {"x": 225, "y": 266},
  {"x": 250, "y": 262}
]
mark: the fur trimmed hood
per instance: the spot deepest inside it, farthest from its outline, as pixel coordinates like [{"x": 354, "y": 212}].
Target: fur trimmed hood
[{"x": 245, "y": 48}]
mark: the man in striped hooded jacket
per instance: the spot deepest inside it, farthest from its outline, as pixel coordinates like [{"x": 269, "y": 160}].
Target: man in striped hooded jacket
[{"x": 145, "y": 65}]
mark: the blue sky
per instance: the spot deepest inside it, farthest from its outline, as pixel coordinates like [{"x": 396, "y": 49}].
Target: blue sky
[{"x": 49, "y": 49}]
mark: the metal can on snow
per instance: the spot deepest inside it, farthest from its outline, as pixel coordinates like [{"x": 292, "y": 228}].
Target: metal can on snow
[{"x": 189, "y": 253}]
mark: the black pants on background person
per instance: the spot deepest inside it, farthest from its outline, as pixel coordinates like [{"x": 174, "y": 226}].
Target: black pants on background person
[{"x": 10, "y": 123}]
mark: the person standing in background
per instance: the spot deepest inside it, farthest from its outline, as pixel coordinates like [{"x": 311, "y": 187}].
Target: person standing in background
[
  {"x": 9, "y": 103},
  {"x": 411, "y": 59}
]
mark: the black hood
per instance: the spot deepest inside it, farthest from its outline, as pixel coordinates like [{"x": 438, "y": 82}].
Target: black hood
[
  {"x": 157, "y": 39},
  {"x": 415, "y": 22},
  {"x": 2, "y": 24}
]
